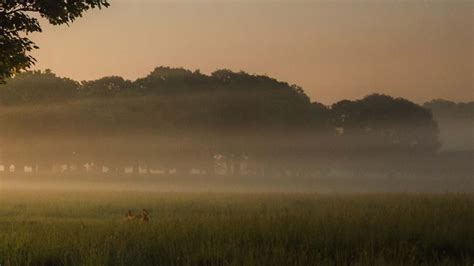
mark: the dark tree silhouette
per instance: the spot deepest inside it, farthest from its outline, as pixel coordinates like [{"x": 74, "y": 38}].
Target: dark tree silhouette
[
  {"x": 37, "y": 87},
  {"x": 228, "y": 122},
  {"x": 106, "y": 87},
  {"x": 380, "y": 121},
  {"x": 452, "y": 110},
  {"x": 17, "y": 18}
]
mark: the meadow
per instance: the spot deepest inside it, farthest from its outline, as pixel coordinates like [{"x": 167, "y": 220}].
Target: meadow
[{"x": 41, "y": 227}]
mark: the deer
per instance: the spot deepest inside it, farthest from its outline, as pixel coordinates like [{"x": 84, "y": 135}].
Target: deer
[{"x": 144, "y": 217}]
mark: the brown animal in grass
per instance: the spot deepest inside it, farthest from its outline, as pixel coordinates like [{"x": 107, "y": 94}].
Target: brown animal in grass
[{"x": 143, "y": 217}]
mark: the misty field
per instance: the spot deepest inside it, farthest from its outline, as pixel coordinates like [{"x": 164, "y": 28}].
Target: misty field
[{"x": 88, "y": 228}]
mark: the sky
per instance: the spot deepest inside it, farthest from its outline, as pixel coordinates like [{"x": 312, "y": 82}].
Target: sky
[{"x": 416, "y": 49}]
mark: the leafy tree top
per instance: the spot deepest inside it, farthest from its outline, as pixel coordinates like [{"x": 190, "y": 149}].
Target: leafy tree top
[
  {"x": 163, "y": 80},
  {"x": 38, "y": 87},
  {"x": 17, "y": 19}
]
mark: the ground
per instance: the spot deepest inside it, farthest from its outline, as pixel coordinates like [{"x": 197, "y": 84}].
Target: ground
[{"x": 81, "y": 227}]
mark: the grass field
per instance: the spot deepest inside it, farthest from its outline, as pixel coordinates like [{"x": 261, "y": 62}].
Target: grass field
[{"x": 88, "y": 228}]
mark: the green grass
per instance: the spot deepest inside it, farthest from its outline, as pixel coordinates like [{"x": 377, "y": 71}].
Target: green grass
[{"x": 80, "y": 228}]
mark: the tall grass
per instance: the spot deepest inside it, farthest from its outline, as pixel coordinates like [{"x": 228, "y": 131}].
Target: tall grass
[{"x": 236, "y": 229}]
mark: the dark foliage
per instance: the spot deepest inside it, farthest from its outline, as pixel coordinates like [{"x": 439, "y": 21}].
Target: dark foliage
[
  {"x": 179, "y": 119},
  {"x": 383, "y": 121},
  {"x": 38, "y": 87},
  {"x": 17, "y": 20}
]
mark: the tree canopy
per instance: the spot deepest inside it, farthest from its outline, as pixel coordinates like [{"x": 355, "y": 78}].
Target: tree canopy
[
  {"x": 174, "y": 97},
  {"x": 224, "y": 100},
  {"x": 179, "y": 118},
  {"x": 38, "y": 87},
  {"x": 387, "y": 122},
  {"x": 19, "y": 18}
]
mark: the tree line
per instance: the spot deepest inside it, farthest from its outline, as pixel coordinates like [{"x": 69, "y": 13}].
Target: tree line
[{"x": 178, "y": 120}]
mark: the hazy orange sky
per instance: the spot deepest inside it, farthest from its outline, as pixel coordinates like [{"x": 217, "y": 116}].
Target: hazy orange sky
[{"x": 334, "y": 49}]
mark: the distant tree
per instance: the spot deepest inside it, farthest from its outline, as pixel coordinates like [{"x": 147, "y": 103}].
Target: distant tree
[
  {"x": 247, "y": 118},
  {"x": 382, "y": 122},
  {"x": 321, "y": 114},
  {"x": 106, "y": 87},
  {"x": 37, "y": 87},
  {"x": 176, "y": 119},
  {"x": 163, "y": 80},
  {"x": 448, "y": 109},
  {"x": 17, "y": 18}
]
